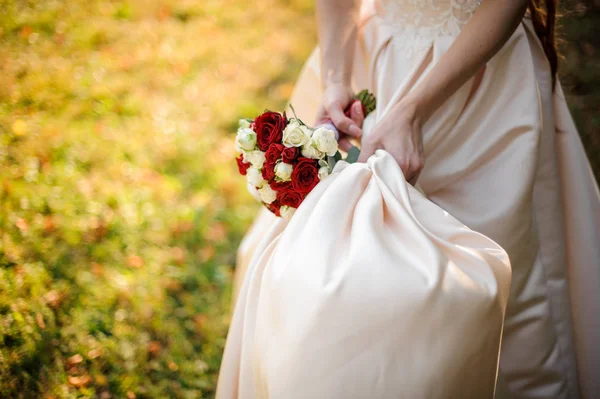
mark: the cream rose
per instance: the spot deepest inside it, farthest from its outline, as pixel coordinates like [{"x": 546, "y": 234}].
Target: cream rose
[
  {"x": 295, "y": 134},
  {"x": 286, "y": 212},
  {"x": 245, "y": 140},
  {"x": 256, "y": 158},
  {"x": 308, "y": 151},
  {"x": 284, "y": 171},
  {"x": 267, "y": 194},
  {"x": 324, "y": 140},
  {"x": 323, "y": 172},
  {"x": 254, "y": 177},
  {"x": 253, "y": 191},
  {"x": 244, "y": 123}
]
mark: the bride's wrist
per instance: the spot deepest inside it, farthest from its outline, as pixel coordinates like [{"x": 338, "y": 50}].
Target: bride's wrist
[
  {"x": 337, "y": 82},
  {"x": 412, "y": 110},
  {"x": 335, "y": 77}
]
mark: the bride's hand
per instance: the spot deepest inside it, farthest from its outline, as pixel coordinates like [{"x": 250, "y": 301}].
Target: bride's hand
[
  {"x": 399, "y": 133},
  {"x": 336, "y": 98}
]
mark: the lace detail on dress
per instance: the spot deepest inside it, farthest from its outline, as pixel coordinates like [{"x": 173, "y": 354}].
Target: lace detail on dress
[{"x": 421, "y": 21}]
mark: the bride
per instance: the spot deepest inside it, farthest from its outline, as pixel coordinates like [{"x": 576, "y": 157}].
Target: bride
[{"x": 376, "y": 289}]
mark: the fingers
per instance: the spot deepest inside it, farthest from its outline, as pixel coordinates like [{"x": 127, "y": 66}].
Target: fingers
[
  {"x": 344, "y": 144},
  {"x": 412, "y": 167},
  {"x": 367, "y": 149},
  {"x": 414, "y": 179},
  {"x": 341, "y": 121},
  {"x": 356, "y": 113}
]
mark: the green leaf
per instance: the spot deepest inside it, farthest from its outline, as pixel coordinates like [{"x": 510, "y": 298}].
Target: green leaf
[
  {"x": 353, "y": 154},
  {"x": 368, "y": 100},
  {"x": 331, "y": 163},
  {"x": 337, "y": 156}
]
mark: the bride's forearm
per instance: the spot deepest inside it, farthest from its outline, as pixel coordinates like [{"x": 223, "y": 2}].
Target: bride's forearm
[
  {"x": 337, "y": 25},
  {"x": 487, "y": 31}
]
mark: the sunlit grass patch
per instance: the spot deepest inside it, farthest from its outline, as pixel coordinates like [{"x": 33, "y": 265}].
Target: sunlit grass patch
[{"x": 120, "y": 205}]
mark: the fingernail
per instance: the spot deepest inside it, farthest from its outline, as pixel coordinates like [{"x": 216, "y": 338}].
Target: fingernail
[{"x": 354, "y": 130}]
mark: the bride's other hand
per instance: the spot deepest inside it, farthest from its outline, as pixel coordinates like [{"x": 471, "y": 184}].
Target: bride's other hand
[
  {"x": 399, "y": 133},
  {"x": 336, "y": 98}
]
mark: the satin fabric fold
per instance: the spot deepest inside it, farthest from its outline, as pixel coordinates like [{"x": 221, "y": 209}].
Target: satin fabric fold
[{"x": 382, "y": 295}]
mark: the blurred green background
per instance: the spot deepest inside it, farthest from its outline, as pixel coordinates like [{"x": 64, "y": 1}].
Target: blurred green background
[{"x": 120, "y": 204}]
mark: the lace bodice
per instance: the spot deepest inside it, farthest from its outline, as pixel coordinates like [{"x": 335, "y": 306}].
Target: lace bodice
[
  {"x": 427, "y": 19},
  {"x": 419, "y": 22}
]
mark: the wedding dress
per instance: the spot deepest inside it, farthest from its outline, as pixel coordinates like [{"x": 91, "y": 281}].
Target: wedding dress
[{"x": 374, "y": 290}]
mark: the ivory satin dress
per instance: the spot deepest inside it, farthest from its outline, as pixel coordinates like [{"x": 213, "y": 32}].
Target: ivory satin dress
[{"x": 375, "y": 289}]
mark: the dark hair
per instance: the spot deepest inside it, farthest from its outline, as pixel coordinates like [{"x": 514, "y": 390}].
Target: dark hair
[{"x": 543, "y": 16}]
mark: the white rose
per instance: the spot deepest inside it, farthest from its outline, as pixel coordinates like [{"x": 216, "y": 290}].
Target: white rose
[
  {"x": 323, "y": 172},
  {"x": 267, "y": 194},
  {"x": 244, "y": 123},
  {"x": 311, "y": 152},
  {"x": 295, "y": 134},
  {"x": 308, "y": 132},
  {"x": 284, "y": 171},
  {"x": 256, "y": 158},
  {"x": 286, "y": 212},
  {"x": 245, "y": 140},
  {"x": 324, "y": 140},
  {"x": 254, "y": 177},
  {"x": 253, "y": 191}
]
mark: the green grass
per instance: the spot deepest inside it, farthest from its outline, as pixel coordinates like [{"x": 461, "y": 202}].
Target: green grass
[{"x": 120, "y": 204}]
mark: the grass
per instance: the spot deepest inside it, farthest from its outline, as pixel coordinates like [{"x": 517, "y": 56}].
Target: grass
[{"x": 120, "y": 205}]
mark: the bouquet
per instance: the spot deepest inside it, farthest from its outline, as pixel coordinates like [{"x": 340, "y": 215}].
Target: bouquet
[{"x": 284, "y": 159}]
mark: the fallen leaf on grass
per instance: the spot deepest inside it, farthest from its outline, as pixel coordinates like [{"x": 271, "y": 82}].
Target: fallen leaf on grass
[
  {"x": 79, "y": 381},
  {"x": 75, "y": 359},
  {"x": 39, "y": 318},
  {"x": 135, "y": 261}
]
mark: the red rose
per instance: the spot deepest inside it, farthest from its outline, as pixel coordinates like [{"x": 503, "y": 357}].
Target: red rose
[
  {"x": 290, "y": 198},
  {"x": 290, "y": 154},
  {"x": 273, "y": 153},
  {"x": 281, "y": 185},
  {"x": 269, "y": 129},
  {"x": 274, "y": 207},
  {"x": 348, "y": 110},
  {"x": 242, "y": 166},
  {"x": 305, "y": 175},
  {"x": 268, "y": 171}
]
